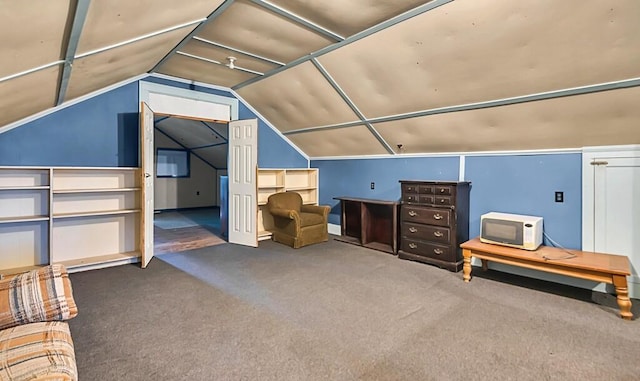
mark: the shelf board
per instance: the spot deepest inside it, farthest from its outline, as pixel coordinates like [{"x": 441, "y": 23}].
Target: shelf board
[
  {"x": 264, "y": 234},
  {"x": 18, "y": 270},
  {"x": 96, "y": 190},
  {"x": 301, "y": 188},
  {"x": 95, "y": 213},
  {"x": 8, "y": 220},
  {"x": 99, "y": 259},
  {"x": 379, "y": 246},
  {"x": 25, "y": 187}
]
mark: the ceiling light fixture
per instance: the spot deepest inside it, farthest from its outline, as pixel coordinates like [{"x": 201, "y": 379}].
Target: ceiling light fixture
[{"x": 231, "y": 62}]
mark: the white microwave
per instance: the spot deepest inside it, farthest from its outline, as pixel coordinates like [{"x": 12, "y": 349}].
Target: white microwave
[{"x": 515, "y": 230}]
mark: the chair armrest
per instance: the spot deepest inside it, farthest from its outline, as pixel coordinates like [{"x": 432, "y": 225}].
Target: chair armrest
[
  {"x": 40, "y": 295},
  {"x": 317, "y": 209},
  {"x": 285, "y": 213}
]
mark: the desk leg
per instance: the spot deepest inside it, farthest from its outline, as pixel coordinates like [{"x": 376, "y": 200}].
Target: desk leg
[
  {"x": 466, "y": 266},
  {"x": 622, "y": 294},
  {"x": 485, "y": 264}
]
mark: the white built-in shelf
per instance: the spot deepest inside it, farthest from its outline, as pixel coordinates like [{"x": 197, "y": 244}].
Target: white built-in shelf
[
  {"x": 275, "y": 180},
  {"x": 27, "y": 187},
  {"x": 100, "y": 259},
  {"x": 95, "y": 213},
  {"x": 10, "y": 220},
  {"x": 16, "y": 270},
  {"x": 103, "y": 190},
  {"x": 88, "y": 212}
]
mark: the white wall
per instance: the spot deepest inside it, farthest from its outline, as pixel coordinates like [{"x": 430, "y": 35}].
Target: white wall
[{"x": 198, "y": 190}]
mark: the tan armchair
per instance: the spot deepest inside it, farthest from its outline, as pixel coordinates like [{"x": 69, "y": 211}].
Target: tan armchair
[{"x": 295, "y": 224}]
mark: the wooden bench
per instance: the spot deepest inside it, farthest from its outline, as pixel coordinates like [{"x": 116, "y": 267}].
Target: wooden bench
[{"x": 599, "y": 267}]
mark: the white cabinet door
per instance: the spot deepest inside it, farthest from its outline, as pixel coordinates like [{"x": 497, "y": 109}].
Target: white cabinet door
[
  {"x": 616, "y": 210},
  {"x": 242, "y": 171}
]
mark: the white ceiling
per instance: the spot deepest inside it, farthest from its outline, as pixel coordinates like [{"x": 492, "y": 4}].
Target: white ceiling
[{"x": 351, "y": 77}]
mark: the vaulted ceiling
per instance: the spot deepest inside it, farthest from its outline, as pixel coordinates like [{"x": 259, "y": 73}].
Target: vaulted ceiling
[{"x": 352, "y": 77}]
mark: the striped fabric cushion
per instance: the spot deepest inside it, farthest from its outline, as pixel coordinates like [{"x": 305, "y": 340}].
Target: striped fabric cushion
[
  {"x": 39, "y": 295},
  {"x": 38, "y": 351}
]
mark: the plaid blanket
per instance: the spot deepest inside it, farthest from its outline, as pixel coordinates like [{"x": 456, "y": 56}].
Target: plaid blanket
[
  {"x": 39, "y": 295},
  {"x": 38, "y": 351}
]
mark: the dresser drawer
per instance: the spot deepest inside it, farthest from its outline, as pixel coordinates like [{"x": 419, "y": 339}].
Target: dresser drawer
[
  {"x": 427, "y": 249},
  {"x": 426, "y": 232},
  {"x": 426, "y": 199},
  {"x": 409, "y": 188},
  {"x": 411, "y": 197},
  {"x": 425, "y": 189},
  {"x": 443, "y": 190},
  {"x": 432, "y": 216},
  {"x": 443, "y": 200}
]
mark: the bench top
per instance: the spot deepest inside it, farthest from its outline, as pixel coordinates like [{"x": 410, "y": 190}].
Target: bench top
[{"x": 601, "y": 262}]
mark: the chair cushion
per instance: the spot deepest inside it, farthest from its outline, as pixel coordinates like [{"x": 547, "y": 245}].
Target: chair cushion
[
  {"x": 39, "y": 295},
  {"x": 308, "y": 219},
  {"x": 37, "y": 351}
]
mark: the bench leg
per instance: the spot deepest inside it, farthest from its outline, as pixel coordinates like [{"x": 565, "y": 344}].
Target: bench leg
[
  {"x": 485, "y": 264},
  {"x": 466, "y": 265},
  {"x": 622, "y": 294}
]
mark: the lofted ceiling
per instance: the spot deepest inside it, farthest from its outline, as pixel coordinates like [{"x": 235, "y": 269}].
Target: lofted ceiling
[
  {"x": 207, "y": 140},
  {"x": 351, "y": 77}
]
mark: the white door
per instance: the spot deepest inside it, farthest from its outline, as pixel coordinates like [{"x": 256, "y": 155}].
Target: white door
[
  {"x": 616, "y": 217},
  {"x": 242, "y": 171},
  {"x": 147, "y": 174}
]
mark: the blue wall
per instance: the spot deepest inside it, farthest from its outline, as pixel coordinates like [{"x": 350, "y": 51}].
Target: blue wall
[
  {"x": 522, "y": 184},
  {"x": 103, "y": 131}
]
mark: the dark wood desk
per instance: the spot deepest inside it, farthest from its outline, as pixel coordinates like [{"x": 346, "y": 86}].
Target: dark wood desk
[
  {"x": 370, "y": 223},
  {"x": 599, "y": 267}
]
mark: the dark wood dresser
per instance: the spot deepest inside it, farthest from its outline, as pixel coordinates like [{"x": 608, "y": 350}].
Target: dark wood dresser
[{"x": 434, "y": 221}]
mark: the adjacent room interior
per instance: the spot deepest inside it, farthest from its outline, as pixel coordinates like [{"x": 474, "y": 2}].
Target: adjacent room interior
[{"x": 344, "y": 190}]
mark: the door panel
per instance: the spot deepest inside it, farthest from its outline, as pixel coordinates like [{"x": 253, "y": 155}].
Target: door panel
[
  {"x": 242, "y": 171},
  {"x": 147, "y": 174},
  {"x": 617, "y": 210}
]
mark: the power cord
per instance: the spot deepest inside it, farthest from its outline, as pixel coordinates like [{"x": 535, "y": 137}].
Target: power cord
[{"x": 555, "y": 244}]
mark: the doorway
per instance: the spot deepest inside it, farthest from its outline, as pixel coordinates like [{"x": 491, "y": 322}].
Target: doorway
[{"x": 190, "y": 156}]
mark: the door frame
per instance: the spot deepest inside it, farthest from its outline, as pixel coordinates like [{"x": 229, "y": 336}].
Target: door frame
[{"x": 189, "y": 103}]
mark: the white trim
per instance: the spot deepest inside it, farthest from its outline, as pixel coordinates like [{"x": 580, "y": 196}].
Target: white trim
[
  {"x": 550, "y": 151},
  {"x": 139, "y": 38},
  {"x": 461, "y": 171},
  {"x": 630, "y": 147},
  {"x": 334, "y": 229},
  {"x": 72, "y": 102},
  {"x": 32, "y": 70},
  {"x": 145, "y": 88}
]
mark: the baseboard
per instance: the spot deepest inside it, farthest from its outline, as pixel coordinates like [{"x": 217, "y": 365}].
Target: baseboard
[{"x": 334, "y": 229}]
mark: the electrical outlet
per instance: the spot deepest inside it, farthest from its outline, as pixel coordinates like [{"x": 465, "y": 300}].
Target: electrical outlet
[
  {"x": 559, "y": 196},
  {"x": 373, "y": 185}
]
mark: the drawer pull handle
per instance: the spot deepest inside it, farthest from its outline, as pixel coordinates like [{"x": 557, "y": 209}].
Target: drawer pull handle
[
  {"x": 441, "y": 190},
  {"x": 438, "y": 251},
  {"x": 437, "y": 216},
  {"x": 412, "y": 229},
  {"x": 442, "y": 200},
  {"x": 438, "y": 234},
  {"x": 413, "y": 245},
  {"x": 412, "y": 213}
]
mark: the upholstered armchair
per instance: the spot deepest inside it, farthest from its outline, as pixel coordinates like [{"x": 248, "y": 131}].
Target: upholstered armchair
[{"x": 295, "y": 224}]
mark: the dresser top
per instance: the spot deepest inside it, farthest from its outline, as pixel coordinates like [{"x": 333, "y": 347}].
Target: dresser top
[{"x": 436, "y": 182}]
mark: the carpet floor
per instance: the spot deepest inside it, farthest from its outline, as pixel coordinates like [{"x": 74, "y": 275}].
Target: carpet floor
[{"x": 336, "y": 311}]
